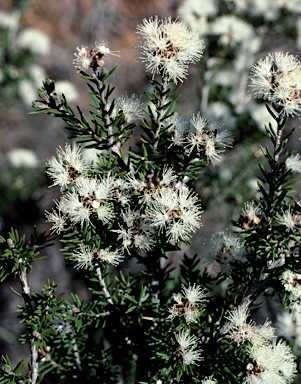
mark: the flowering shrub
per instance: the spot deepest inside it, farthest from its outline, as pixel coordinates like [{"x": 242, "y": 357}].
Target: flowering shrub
[
  {"x": 120, "y": 218},
  {"x": 236, "y": 34}
]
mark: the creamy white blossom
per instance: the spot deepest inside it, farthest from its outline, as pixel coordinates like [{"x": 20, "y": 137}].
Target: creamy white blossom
[
  {"x": 197, "y": 17},
  {"x": 188, "y": 349},
  {"x": 288, "y": 325},
  {"x": 9, "y": 20},
  {"x": 167, "y": 47},
  {"x": 270, "y": 363},
  {"x": 66, "y": 88},
  {"x": 111, "y": 257},
  {"x": 288, "y": 219},
  {"x": 232, "y": 30},
  {"x": 153, "y": 185},
  {"x": 250, "y": 217},
  {"x": 178, "y": 127},
  {"x": 187, "y": 303},
  {"x": 85, "y": 257},
  {"x": 290, "y": 281},
  {"x": 222, "y": 249},
  {"x": 240, "y": 330},
  {"x": 135, "y": 231},
  {"x": 208, "y": 137},
  {"x": 277, "y": 78},
  {"x": 22, "y": 157},
  {"x": 294, "y": 163},
  {"x": 68, "y": 165},
  {"x": 177, "y": 212},
  {"x": 57, "y": 218},
  {"x": 73, "y": 207},
  {"x": 27, "y": 91},
  {"x": 103, "y": 49},
  {"x": 83, "y": 58},
  {"x": 130, "y": 106},
  {"x": 34, "y": 41},
  {"x": 261, "y": 116}
]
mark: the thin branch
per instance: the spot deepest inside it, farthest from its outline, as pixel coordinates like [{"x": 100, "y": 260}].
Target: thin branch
[
  {"x": 103, "y": 286},
  {"x": 34, "y": 370}
]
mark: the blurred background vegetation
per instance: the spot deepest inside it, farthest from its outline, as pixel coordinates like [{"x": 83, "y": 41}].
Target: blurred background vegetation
[{"x": 38, "y": 39}]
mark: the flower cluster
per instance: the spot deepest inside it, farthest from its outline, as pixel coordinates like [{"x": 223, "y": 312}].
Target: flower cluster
[
  {"x": 270, "y": 363},
  {"x": 85, "y": 257},
  {"x": 135, "y": 230},
  {"x": 289, "y": 327},
  {"x": 139, "y": 205},
  {"x": 130, "y": 106},
  {"x": 177, "y": 212},
  {"x": 293, "y": 163},
  {"x": 92, "y": 58},
  {"x": 221, "y": 251},
  {"x": 208, "y": 137},
  {"x": 200, "y": 135},
  {"x": 277, "y": 78},
  {"x": 290, "y": 281},
  {"x": 250, "y": 217},
  {"x": 241, "y": 331},
  {"x": 187, "y": 302},
  {"x": 87, "y": 199},
  {"x": 188, "y": 348},
  {"x": 288, "y": 219},
  {"x": 67, "y": 166},
  {"x": 167, "y": 47}
]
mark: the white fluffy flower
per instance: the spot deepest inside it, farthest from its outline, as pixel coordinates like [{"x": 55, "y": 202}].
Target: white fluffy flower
[
  {"x": 178, "y": 128},
  {"x": 222, "y": 250},
  {"x": 83, "y": 58},
  {"x": 277, "y": 78},
  {"x": 58, "y": 220},
  {"x": 232, "y": 30},
  {"x": 242, "y": 331},
  {"x": 290, "y": 281},
  {"x": 27, "y": 91},
  {"x": 111, "y": 257},
  {"x": 85, "y": 257},
  {"x": 153, "y": 185},
  {"x": 195, "y": 16},
  {"x": 86, "y": 58},
  {"x": 177, "y": 212},
  {"x": 294, "y": 163},
  {"x": 188, "y": 348},
  {"x": 287, "y": 219},
  {"x": 9, "y": 20},
  {"x": 209, "y": 380},
  {"x": 167, "y": 47},
  {"x": 270, "y": 363},
  {"x": 289, "y": 326},
  {"x": 72, "y": 206},
  {"x": 22, "y": 157},
  {"x": 187, "y": 303},
  {"x": 68, "y": 165},
  {"x": 250, "y": 216},
  {"x": 130, "y": 106},
  {"x": 208, "y": 137},
  {"x": 34, "y": 41},
  {"x": 135, "y": 231}
]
